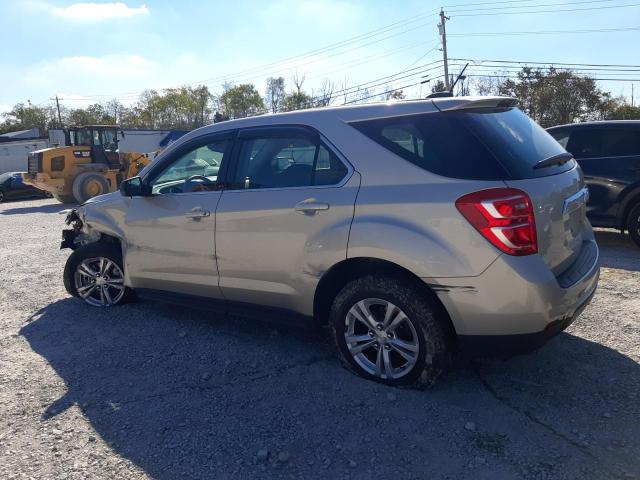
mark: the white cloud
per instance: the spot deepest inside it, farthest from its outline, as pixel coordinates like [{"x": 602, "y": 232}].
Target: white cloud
[{"x": 92, "y": 11}]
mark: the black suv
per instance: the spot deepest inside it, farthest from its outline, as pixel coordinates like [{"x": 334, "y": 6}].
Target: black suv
[{"x": 609, "y": 154}]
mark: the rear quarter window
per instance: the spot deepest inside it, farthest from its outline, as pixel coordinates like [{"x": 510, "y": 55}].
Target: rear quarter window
[
  {"x": 482, "y": 144},
  {"x": 437, "y": 143}
]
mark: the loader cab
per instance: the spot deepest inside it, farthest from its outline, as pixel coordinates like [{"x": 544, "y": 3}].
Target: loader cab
[{"x": 99, "y": 142}]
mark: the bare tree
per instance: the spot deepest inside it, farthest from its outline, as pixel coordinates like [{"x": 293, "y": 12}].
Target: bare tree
[
  {"x": 489, "y": 85},
  {"x": 344, "y": 88},
  {"x": 324, "y": 94},
  {"x": 275, "y": 93},
  {"x": 298, "y": 81}
]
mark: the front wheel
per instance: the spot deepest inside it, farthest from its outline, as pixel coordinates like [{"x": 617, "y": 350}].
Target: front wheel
[
  {"x": 95, "y": 274},
  {"x": 386, "y": 330},
  {"x": 633, "y": 224}
]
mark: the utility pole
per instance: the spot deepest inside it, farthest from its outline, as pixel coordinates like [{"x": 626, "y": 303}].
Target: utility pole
[
  {"x": 58, "y": 107},
  {"x": 632, "y": 94},
  {"x": 443, "y": 33}
]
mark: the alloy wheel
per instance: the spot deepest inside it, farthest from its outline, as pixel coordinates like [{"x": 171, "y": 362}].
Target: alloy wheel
[
  {"x": 381, "y": 338},
  {"x": 99, "y": 282}
]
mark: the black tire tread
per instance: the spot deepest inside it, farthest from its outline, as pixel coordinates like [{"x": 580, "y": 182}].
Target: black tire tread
[
  {"x": 96, "y": 249},
  {"x": 633, "y": 224},
  {"x": 416, "y": 304}
]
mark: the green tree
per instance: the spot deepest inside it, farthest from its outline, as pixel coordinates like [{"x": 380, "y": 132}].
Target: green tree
[
  {"x": 555, "y": 97},
  {"x": 241, "y": 101},
  {"x": 26, "y": 116},
  {"x": 396, "y": 95},
  {"x": 297, "y": 101},
  {"x": 439, "y": 86}
]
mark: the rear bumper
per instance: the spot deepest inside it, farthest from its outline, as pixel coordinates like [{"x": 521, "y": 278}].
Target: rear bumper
[
  {"x": 509, "y": 345},
  {"x": 517, "y": 304}
]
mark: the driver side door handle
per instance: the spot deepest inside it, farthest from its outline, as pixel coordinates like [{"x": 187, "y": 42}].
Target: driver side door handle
[
  {"x": 196, "y": 213},
  {"x": 311, "y": 207}
]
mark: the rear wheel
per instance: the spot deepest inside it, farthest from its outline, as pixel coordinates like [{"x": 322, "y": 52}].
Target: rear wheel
[
  {"x": 64, "y": 198},
  {"x": 386, "y": 330},
  {"x": 88, "y": 185},
  {"x": 633, "y": 224},
  {"x": 2, "y": 196},
  {"x": 94, "y": 273}
]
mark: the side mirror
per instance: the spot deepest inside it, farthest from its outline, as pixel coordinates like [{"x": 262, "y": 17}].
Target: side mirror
[{"x": 133, "y": 187}]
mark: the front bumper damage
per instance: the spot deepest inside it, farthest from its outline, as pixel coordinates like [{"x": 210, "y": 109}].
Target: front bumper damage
[{"x": 70, "y": 235}]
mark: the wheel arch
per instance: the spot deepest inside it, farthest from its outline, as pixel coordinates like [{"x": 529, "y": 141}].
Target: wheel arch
[
  {"x": 334, "y": 279},
  {"x": 630, "y": 200}
]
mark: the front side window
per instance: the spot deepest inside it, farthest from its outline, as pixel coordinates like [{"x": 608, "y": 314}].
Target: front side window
[
  {"x": 194, "y": 171},
  {"x": 287, "y": 161}
]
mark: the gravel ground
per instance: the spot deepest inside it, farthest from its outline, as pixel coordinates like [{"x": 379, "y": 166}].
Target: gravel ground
[{"x": 153, "y": 391}]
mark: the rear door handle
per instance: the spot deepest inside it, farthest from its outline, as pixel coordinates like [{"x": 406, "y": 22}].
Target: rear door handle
[
  {"x": 197, "y": 212},
  {"x": 311, "y": 207}
]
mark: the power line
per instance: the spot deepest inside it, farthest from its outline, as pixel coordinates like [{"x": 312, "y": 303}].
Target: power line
[
  {"x": 487, "y": 3},
  {"x": 551, "y": 65},
  {"x": 388, "y": 91},
  {"x": 546, "y": 63},
  {"x": 377, "y": 82},
  {"x": 562, "y": 10},
  {"x": 291, "y": 59},
  {"x": 596, "y": 79},
  {"x": 543, "y": 32},
  {"x": 533, "y": 6}
]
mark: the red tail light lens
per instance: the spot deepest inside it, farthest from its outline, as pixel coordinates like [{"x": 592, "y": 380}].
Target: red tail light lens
[{"x": 504, "y": 216}]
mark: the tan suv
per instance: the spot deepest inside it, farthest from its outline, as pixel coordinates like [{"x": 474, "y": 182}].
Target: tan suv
[{"x": 413, "y": 229}]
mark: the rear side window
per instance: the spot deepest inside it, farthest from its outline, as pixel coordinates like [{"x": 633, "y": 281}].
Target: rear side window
[
  {"x": 483, "y": 144},
  {"x": 599, "y": 142},
  {"x": 287, "y": 161}
]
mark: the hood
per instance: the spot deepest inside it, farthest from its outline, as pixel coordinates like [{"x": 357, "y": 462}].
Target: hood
[{"x": 107, "y": 197}]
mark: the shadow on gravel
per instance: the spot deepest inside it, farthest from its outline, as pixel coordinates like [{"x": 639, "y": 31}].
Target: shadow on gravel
[
  {"x": 183, "y": 394},
  {"x": 39, "y": 209}
]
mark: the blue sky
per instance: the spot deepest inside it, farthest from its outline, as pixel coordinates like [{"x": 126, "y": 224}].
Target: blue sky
[{"x": 91, "y": 51}]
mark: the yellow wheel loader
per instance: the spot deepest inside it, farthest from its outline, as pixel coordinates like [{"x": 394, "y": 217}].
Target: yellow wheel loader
[{"x": 89, "y": 164}]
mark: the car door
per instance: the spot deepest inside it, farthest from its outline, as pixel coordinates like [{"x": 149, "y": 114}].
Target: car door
[
  {"x": 286, "y": 218},
  {"x": 19, "y": 188},
  {"x": 170, "y": 233},
  {"x": 610, "y": 159}
]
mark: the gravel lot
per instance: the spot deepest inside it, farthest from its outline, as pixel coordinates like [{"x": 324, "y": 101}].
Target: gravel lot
[{"x": 154, "y": 391}]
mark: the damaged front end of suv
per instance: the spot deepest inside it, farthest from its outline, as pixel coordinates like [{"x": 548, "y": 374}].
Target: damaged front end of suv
[{"x": 99, "y": 219}]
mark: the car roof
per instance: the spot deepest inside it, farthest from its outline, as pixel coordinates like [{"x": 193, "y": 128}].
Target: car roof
[
  {"x": 350, "y": 113},
  {"x": 598, "y": 123}
]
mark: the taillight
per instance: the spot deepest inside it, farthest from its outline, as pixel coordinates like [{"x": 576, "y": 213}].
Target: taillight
[{"x": 504, "y": 216}]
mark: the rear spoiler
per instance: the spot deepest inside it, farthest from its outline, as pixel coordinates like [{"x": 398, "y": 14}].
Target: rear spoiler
[{"x": 464, "y": 103}]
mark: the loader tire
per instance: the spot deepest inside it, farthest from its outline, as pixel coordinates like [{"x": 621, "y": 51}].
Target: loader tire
[
  {"x": 64, "y": 198},
  {"x": 88, "y": 185}
]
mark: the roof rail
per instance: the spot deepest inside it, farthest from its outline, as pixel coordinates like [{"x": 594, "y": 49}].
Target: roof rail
[{"x": 440, "y": 94}]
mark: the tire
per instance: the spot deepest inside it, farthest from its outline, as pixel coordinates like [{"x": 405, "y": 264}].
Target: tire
[
  {"x": 633, "y": 224},
  {"x": 65, "y": 198},
  {"x": 104, "y": 260},
  {"x": 2, "y": 196},
  {"x": 88, "y": 185},
  {"x": 417, "y": 327}
]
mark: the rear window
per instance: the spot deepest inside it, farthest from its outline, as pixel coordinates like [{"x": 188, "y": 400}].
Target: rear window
[{"x": 483, "y": 144}]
